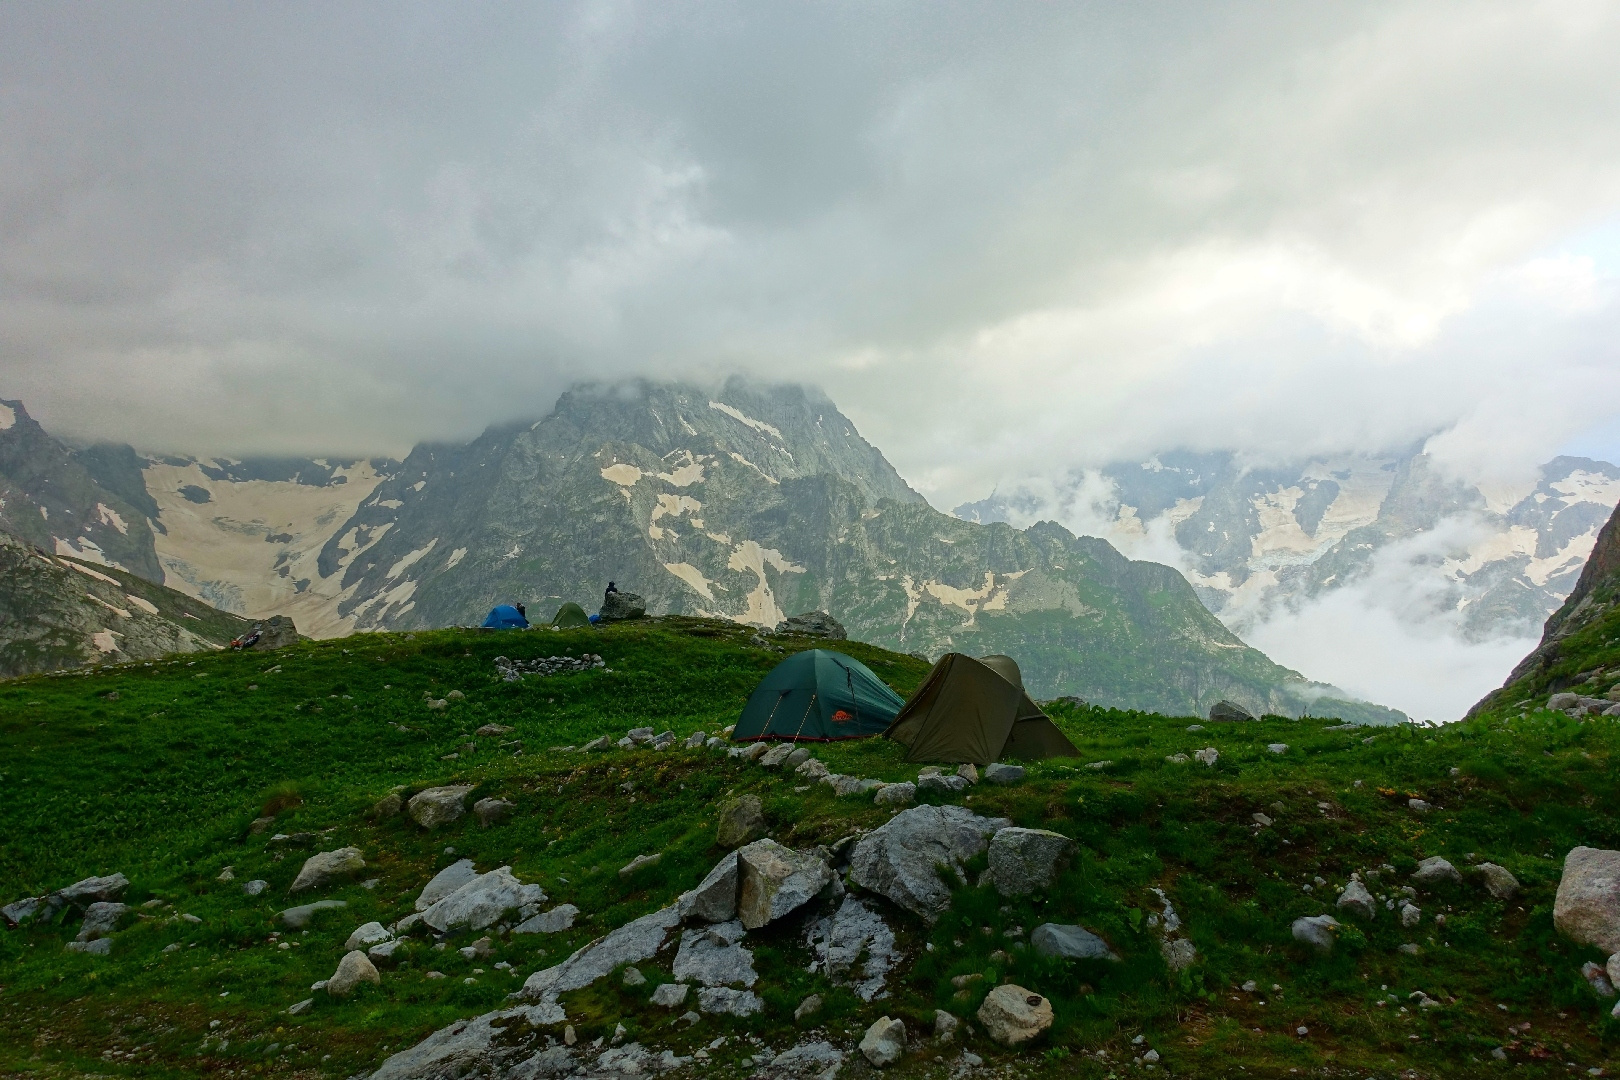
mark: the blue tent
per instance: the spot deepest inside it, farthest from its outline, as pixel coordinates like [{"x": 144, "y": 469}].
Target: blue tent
[{"x": 505, "y": 617}]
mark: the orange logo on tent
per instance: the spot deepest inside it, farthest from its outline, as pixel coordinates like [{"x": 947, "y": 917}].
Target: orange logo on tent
[{"x": 842, "y": 717}]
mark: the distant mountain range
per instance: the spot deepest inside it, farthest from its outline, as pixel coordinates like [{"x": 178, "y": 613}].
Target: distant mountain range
[
  {"x": 1250, "y": 539},
  {"x": 744, "y": 502}
]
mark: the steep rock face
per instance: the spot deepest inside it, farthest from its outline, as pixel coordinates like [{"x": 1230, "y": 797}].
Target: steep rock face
[
  {"x": 51, "y": 497},
  {"x": 1254, "y": 538},
  {"x": 1581, "y": 627},
  {"x": 57, "y": 612},
  {"x": 756, "y": 503}
]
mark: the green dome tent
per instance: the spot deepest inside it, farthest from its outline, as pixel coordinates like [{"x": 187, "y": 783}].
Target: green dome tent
[
  {"x": 571, "y": 616},
  {"x": 817, "y": 696}
]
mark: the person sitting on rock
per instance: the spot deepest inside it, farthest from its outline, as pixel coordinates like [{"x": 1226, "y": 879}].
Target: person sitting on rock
[{"x": 611, "y": 590}]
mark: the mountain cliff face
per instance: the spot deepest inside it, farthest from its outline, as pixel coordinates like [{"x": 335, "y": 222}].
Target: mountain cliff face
[
  {"x": 1251, "y": 539},
  {"x": 57, "y": 612},
  {"x": 1580, "y": 639}
]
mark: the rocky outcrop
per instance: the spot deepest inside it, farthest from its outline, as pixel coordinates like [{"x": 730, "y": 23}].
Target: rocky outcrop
[
  {"x": 817, "y": 624},
  {"x": 853, "y": 935},
  {"x": 623, "y": 606},
  {"x": 81, "y": 894},
  {"x": 713, "y": 956},
  {"x": 482, "y": 901},
  {"x": 483, "y": 1045},
  {"x": 1587, "y": 905},
  {"x": 901, "y": 858},
  {"x": 629, "y": 944}
]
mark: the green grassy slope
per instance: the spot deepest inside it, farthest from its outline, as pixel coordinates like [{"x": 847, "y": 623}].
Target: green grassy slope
[{"x": 162, "y": 783}]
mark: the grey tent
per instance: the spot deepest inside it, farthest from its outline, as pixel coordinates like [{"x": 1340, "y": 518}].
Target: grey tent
[{"x": 976, "y": 711}]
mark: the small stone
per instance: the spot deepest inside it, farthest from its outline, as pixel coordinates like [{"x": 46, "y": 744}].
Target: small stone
[
  {"x": 1195, "y": 727},
  {"x": 327, "y": 866},
  {"x": 227, "y": 874},
  {"x": 799, "y": 756},
  {"x": 1178, "y": 953},
  {"x": 439, "y": 805},
  {"x": 384, "y": 952},
  {"x": 808, "y": 1007},
  {"x": 639, "y": 862},
  {"x": 369, "y": 934},
  {"x": 633, "y": 977},
  {"x": 354, "y": 969},
  {"x": 100, "y": 920},
  {"x": 695, "y": 740},
  {"x": 776, "y": 756},
  {"x": 1410, "y": 915},
  {"x": 301, "y": 1007},
  {"x": 482, "y": 949},
  {"x": 98, "y": 947},
  {"x": 1261, "y": 819},
  {"x": 1012, "y": 1015},
  {"x": 261, "y": 825},
  {"x": 1499, "y": 882},
  {"x": 494, "y": 729},
  {"x": 1411, "y": 949},
  {"x": 1228, "y": 712},
  {"x": 671, "y": 995},
  {"x": 939, "y": 784},
  {"x": 1208, "y": 756},
  {"x": 742, "y": 820},
  {"x": 569, "y": 1038},
  {"x": 1317, "y": 931},
  {"x": 1277, "y": 747},
  {"x": 297, "y": 918},
  {"x": 387, "y": 806},
  {"x": 884, "y": 1042},
  {"x": 999, "y": 773},
  {"x": 1070, "y": 943},
  {"x": 901, "y": 794},
  {"x": 969, "y": 772},
  {"x": 945, "y": 1025},
  {"x": 433, "y": 975},
  {"x": 729, "y": 1002},
  {"x": 1419, "y": 806}
]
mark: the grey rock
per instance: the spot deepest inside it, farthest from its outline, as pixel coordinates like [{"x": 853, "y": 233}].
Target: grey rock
[
  {"x": 367, "y": 935},
  {"x": 483, "y": 901},
  {"x": 297, "y": 918},
  {"x": 808, "y": 1007},
  {"x": 901, "y": 794},
  {"x": 1207, "y": 756},
  {"x": 1070, "y": 943},
  {"x": 301, "y": 1007},
  {"x": 256, "y": 887},
  {"x": 713, "y": 742},
  {"x": 325, "y": 867},
  {"x": 1435, "y": 871},
  {"x": 715, "y": 898},
  {"x": 1563, "y": 701},
  {"x": 884, "y": 1042},
  {"x": 1411, "y": 915},
  {"x": 276, "y": 632},
  {"x": 388, "y": 806},
  {"x": 354, "y": 969},
  {"x": 943, "y": 785},
  {"x": 819, "y": 1059},
  {"x": 633, "y": 977},
  {"x": 850, "y": 785},
  {"x": 1587, "y": 905},
  {"x": 439, "y": 805},
  {"x": 640, "y": 862},
  {"x": 90, "y": 890},
  {"x": 812, "y": 769},
  {"x": 999, "y": 773},
  {"x": 480, "y": 1046},
  {"x": 695, "y": 740},
  {"x": 1357, "y": 901},
  {"x": 100, "y": 920},
  {"x": 445, "y": 882},
  {"x": 492, "y": 811},
  {"x": 1277, "y": 747},
  {"x": 853, "y": 935},
  {"x": 1499, "y": 882},
  {"x": 407, "y": 924},
  {"x": 21, "y": 911},
  {"x": 639, "y": 735},
  {"x": 1597, "y": 977},
  {"x": 671, "y": 995},
  {"x": 899, "y": 859},
  {"x": 1012, "y": 1015},
  {"x": 98, "y": 947},
  {"x": 777, "y": 755},
  {"x": 945, "y": 1026},
  {"x": 1419, "y": 806},
  {"x": 1228, "y": 712},
  {"x": 800, "y": 755},
  {"x": 726, "y": 1001},
  {"x": 630, "y": 944},
  {"x": 555, "y": 921},
  {"x": 817, "y": 624},
  {"x": 741, "y": 821},
  {"x": 968, "y": 771},
  {"x": 713, "y": 957},
  {"x": 1317, "y": 931},
  {"x": 1025, "y": 860},
  {"x": 385, "y": 952},
  {"x": 1178, "y": 952},
  {"x": 776, "y": 880},
  {"x": 622, "y": 607}
]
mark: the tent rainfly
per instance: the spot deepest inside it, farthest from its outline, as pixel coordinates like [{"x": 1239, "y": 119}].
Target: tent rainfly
[
  {"x": 976, "y": 711},
  {"x": 817, "y": 696},
  {"x": 570, "y": 616},
  {"x": 505, "y": 617}
]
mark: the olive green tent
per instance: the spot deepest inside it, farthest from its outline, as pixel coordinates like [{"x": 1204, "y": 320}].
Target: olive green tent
[
  {"x": 816, "y": 696},
  {"x": 570, "y": 616},
  {"x": 976, "y": 711}
]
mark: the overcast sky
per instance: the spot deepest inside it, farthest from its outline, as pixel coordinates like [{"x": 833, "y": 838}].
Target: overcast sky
[{"x": 1007, "y": 238}]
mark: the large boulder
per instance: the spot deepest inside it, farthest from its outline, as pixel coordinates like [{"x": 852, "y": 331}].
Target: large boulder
[
  {"x": 1024, "y": 860},
  {"x": 622, "y": 606},
  {"x": 1070, "y": 943},
  {"x": 439, "y": 805},
  {"x": 776, "y": 880},
  {"x": 1587, "y": 906},
  {"x": 354, "y": 969},
  {"x": 1499, "y": 881},
  {"x": 813, "y": 624},
  {"x": 482, "y": 901},
  {"x": 92, "y": 890},
  {"x": 1436, "y": 871},
  {"x": 901, "y": 858},
  {"x": 715, "y": 898},
  {"x": 1013, "y": 1016},
  {"x": 492, "y": 811},
  {"x": 100, "y": 920},
  {"x": 884, "y": 1042},
  {"x": 741, "y": 821},
  {"x": 1229, "y": 711},
  {"x": 276, "y": 632},
  {"x": 325, "y": 867},
  {"x": 445, "y": 882}
]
